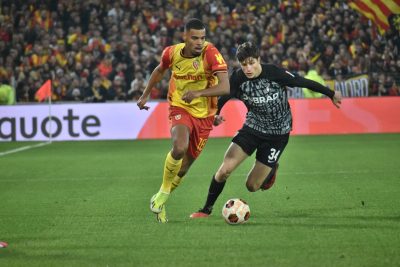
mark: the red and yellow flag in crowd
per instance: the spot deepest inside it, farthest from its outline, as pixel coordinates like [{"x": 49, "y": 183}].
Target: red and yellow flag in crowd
[{"x": 378, "y": 11}]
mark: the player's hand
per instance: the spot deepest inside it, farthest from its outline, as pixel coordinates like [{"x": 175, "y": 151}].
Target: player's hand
[
  {"x": 141, "y": 103},
  {"x": 190, "y": 95},
  {"x": 337, "y": 99},
  {"x": 218, "y": 119}
]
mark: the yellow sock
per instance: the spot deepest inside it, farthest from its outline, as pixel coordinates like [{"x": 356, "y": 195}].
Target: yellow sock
[
  {"x": 176, "y": 182},
  {"x": 171, "y": 169}
]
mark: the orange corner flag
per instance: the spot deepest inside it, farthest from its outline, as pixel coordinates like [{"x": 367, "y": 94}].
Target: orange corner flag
[{"x": 44, "y": 91}]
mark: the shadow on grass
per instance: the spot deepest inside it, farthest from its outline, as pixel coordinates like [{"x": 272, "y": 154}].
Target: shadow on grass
[{"x": 322, "y": 219}]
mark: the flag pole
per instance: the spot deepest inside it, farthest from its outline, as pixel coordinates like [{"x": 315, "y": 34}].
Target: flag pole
[{"x": 51, "y": 133}]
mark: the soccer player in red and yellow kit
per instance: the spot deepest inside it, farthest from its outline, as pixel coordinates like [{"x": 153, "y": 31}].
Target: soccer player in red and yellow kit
[{"x": 197, "y": 68}]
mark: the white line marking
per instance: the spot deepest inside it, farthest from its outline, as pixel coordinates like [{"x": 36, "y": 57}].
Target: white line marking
[{"x": 23, "y": 148}]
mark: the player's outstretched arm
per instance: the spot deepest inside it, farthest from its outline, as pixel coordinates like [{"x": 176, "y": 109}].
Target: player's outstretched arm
[
  {"x": 299, "y": 81},
  {"x": 155, "y": 77}
]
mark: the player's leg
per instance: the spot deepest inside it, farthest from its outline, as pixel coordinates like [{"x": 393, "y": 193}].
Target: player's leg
[
  {"x": 172, "y": 165},
  {"x": 243, "y": 145},
  {"x": 232, "y": 159},
  {"x": 186, "y": 163},
  {"x": 199, "y": 130},
  {"x": 270, "y": 179},
  {"x": 257, "y": 175},
  {"x": 263, "y": 174},
  {"x": 198, "y": 138},
  {"x": 176, "y": 182},
  {"x": 181, "y": 126}
]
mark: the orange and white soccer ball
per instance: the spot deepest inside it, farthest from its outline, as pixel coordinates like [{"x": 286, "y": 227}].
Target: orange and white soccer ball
[{"x": 236, "y": 211}]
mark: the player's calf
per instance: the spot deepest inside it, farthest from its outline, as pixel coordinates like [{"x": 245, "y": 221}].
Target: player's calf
[{"x": 270, "y": 179}]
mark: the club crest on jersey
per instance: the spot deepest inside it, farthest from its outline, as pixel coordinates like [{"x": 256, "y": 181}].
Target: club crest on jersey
[
  {"x": 196, "y": 64},
  {"x": 178, "y": 117}
]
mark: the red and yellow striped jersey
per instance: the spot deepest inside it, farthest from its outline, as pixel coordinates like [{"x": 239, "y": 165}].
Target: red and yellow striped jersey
[{"x": 195, "y": 73}]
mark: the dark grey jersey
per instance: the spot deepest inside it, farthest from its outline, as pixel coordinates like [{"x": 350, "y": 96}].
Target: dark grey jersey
[{"x": 266, "y": 98}]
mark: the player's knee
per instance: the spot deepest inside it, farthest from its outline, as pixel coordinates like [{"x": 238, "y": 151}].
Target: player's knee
[
  {"x": 178, "y": 151},
  {"x": 252, "y": 187},
  {"x": 222, "y": 174}
]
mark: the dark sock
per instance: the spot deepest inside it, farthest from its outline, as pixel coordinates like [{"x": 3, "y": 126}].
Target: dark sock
[
  {"x": 271, "y": 173},
  {"x": 269, "y": 177},
  {"x": 214, "y": 191}
]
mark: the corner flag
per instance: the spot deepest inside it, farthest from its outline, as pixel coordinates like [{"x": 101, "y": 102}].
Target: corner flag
[{"x": 44, "y": 91}]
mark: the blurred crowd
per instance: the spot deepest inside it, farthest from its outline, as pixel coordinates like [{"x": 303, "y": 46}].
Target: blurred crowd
[{"x": 101, "y": 50}]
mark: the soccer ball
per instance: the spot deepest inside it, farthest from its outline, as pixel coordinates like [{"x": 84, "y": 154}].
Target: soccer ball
[{"x": 236, "y": 211}]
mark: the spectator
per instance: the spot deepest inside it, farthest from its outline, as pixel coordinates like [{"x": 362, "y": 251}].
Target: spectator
[
  {"x": 118, "y": 91},
  {"x": 7, "y": 94},
  {"x": 383, "y": 85},
  {"x": 314, "y": 74},
  {"x": 97, "y": 92},
  {"x": 391, "y": 86},
  {"x": 78, "y": 37}
]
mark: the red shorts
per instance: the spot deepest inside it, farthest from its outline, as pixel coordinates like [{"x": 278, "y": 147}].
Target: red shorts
[{"x": 199, "y": 128}]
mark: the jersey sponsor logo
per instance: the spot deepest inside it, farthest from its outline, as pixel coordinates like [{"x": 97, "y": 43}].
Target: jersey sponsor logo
[
  {"x": 188, "y": 77},
  {"x": 261, "y": 99},
  {"x": 178, "y": 117}
]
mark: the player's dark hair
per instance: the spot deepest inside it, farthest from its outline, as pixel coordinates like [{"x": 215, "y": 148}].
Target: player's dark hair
[
  {"x": 195, "y": 24},
  {"x": 246, "y": 50}
]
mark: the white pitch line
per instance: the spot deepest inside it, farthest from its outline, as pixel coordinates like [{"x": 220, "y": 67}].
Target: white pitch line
[{"x": 23, "y": 148}]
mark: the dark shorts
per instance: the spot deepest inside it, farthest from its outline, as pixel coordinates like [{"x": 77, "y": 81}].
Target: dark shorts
[{"x": 269, "y": 147}]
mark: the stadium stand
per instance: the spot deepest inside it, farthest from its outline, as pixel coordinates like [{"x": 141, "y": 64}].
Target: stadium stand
[{"x": 97, "y": 50}]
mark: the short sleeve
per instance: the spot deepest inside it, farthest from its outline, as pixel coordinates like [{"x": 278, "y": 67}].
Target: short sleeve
[
  {"x": 215, "y": 59},
  {"x": 166, "y": 57}
]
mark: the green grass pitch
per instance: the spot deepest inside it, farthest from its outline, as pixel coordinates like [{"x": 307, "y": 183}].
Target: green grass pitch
[{"x": 336, "y": 202}]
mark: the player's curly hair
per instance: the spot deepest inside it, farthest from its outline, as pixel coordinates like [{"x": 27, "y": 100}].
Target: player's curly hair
[{"x": 246, "y": 50}]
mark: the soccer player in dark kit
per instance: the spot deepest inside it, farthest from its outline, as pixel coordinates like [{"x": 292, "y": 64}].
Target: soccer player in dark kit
[{"x": 262, "y": 88}]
